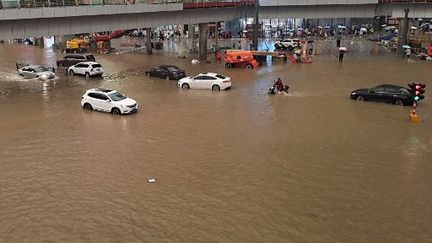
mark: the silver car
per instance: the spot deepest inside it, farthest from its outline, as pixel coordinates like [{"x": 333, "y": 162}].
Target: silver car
[{"x": 36, "y": 71}]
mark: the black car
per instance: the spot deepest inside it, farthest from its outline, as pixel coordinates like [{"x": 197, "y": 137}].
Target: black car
[
  {"x": 167, "y": 72},
  {"x": 73, "y": 59},
  {"x": 395, "y": 94}
]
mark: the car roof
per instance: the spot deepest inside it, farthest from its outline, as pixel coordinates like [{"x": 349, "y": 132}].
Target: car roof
[
  {"x": 90, "y": 63},
  {"x": 210, "y": 74},
  {"x": 173, "y": 66},
  {"x": 390, "y": 86},
  {"x": 102, "y": 90}
]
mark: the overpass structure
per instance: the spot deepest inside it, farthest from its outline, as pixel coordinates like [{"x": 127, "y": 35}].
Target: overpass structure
[{"x": 36, "y": 18}]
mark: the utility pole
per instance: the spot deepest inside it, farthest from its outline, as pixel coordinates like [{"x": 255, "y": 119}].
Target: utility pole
[
  {"x": 405, "y": 31},
  {"x": 255, "y": 27}
]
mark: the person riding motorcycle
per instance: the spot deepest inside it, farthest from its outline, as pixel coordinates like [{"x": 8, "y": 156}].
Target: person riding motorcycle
[{"x": 278, "y": 86}]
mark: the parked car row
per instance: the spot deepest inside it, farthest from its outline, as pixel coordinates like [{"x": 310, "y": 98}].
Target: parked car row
[{"x": 114, "y": 102}]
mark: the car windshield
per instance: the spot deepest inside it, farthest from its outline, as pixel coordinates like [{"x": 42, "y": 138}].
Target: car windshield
[
  {"x": 41, "y": 69},
  {"x": 404, "y": 90},
  {"x": 117, "y": 96},
  {"x": 172, "y": 69}
]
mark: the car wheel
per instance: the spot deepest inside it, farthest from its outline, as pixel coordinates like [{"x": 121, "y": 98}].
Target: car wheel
[
  {"x": 228, "y": 65},
  {"x": 167, "y": 77},
  {"x": 71, "y": 72},
  {"x": 399, "y": 102},
  {"x": 215, "y": 87},
  {"x": 360, "y": 98},
  {"x": 87, "y": 75},
  {"x": 248, "y": 66},
  {"x": 116, "y": 111},
  {"x": 87, "y": 107},
  {"x": 185, "y": 86}
]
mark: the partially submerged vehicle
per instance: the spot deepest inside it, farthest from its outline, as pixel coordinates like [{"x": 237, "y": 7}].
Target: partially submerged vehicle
[{"x": 34, "y": 71}]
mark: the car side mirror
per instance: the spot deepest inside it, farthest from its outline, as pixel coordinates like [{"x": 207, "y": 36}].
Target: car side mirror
[{"x": 108, "y": 100}]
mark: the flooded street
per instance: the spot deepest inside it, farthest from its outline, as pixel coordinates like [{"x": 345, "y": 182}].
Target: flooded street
[{"x": 230, "y": 166}]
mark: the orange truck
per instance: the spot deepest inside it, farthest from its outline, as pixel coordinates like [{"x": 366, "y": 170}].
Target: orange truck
[{"x": 240, "y": 59}]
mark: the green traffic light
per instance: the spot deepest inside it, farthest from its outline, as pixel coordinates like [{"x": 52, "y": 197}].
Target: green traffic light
[{"x": 416, "y": 98}]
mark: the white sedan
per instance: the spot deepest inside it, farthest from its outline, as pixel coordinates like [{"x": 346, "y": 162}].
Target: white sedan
[
  {"x": 211, "y": 81},
  {"x": 36, "y": 71}
]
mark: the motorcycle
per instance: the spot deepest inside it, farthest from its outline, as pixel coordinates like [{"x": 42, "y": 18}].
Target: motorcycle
[{"x": 272, "y": 90}]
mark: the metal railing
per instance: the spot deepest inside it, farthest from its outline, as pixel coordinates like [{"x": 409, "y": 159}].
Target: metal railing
[
  {"x": 404, "y": 1},
  {"x": 7, "y": 4}
]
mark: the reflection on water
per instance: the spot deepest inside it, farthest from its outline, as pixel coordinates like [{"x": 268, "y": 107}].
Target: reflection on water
[{"x": 238, "y": 165}]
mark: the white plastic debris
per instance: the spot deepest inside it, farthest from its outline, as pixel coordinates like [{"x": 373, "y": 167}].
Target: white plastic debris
[{"x": 151, "y": 180}]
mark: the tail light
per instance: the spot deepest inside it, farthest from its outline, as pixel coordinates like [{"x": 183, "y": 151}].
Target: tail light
[{"x": 226, "y": 81}]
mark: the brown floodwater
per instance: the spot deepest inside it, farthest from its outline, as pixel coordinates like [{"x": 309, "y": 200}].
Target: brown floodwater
[{"x": 232, "y": 166}]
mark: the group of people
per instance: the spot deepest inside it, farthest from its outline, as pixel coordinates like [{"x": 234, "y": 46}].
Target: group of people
[{"x": 278, "y": 86}]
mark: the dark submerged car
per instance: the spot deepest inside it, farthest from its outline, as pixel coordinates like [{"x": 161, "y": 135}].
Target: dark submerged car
[
  {"x": 395, "y": 94},
  {"x": 73, "y": 59},
  {"x": 167, "y": 72}
]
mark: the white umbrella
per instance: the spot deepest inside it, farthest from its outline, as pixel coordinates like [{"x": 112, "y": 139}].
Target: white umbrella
[
  {"x": 341, "y": 27},
  {"x": 406, "y": 46},
  {"x": 413, "y": 27},
  {"x": 327, "y": 27},
  {"x": 390, "y": 28},
  {"x": 384, "y": 25},
  {"x": 320, "y": 27},
  {"x": 300, "y": 29},
  {"x": 343, "y": 49},
  {"x": 363, "y": 29}
]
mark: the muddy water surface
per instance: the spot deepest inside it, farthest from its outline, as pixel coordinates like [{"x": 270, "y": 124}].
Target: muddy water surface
[{"x": 233, "y": 166}]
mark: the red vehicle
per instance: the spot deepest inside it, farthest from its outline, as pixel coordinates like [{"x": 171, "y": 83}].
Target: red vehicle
[{"x": 240, "y": 59}]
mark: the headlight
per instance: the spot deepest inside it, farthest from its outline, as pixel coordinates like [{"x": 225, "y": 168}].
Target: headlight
[{"x": 353, "y": 93}]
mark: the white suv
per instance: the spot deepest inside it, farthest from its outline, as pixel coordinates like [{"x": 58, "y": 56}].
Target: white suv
[
  {"x": 86, "y": 68},
  {"x": 287, "y": 44},
  {"x": 108, "y": 100}
]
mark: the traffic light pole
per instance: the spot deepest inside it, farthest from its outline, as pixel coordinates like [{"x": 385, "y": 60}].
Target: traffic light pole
[{"x": 417, "y": 89}]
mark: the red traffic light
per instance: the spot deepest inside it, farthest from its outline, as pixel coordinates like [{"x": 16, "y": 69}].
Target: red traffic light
[
  {"x": 419, "y": 92},
  {"x": 417, "y": 85}
]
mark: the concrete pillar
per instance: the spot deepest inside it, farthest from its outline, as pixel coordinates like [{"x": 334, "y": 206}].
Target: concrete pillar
[
  {"x": 38, "y": 41},
  {"x": 217, "y": 27},
  {"x": 148, "y": 43},
  {"x": 193, "y": 37},
  {"x": 202, "y": 51},
  {"x": 255, "y": 28}
]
